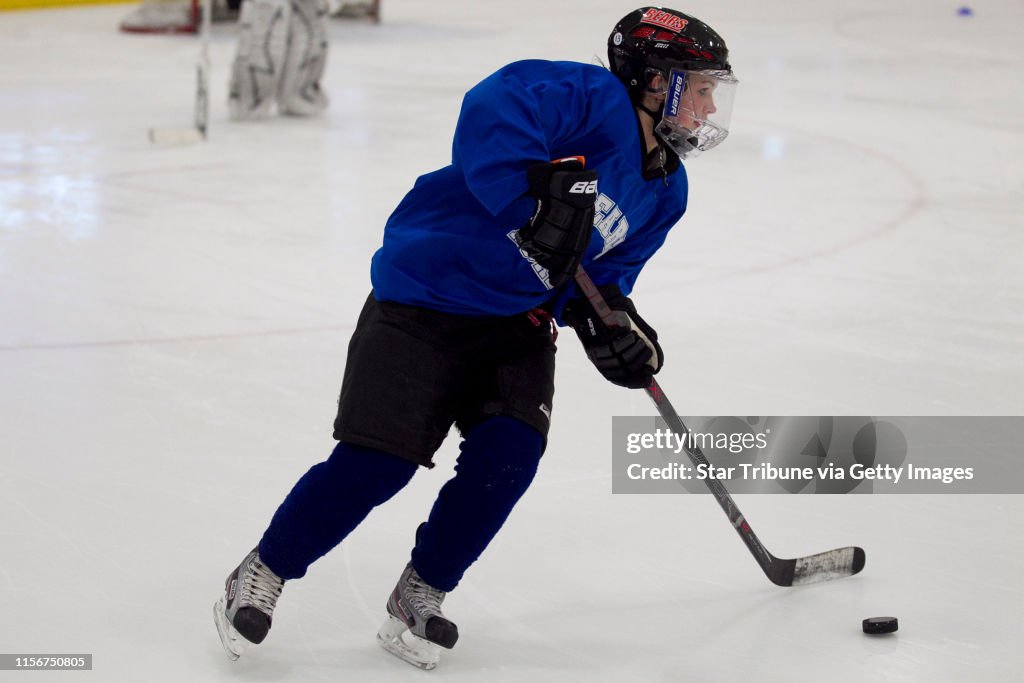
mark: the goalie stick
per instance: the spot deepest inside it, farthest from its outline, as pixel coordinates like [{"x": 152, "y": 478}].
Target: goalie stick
[
  {"x": 202, "y": 113},
  {"x": 197, "y": 132},
  {"x": 832, "y": 564}
]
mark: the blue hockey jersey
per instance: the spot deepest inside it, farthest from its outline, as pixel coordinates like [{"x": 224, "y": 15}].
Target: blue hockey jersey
[{"x": 449, "y": 246}]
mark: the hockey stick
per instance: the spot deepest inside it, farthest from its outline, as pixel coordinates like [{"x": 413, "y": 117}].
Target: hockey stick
[
  {"x": 201, "y": 116},
  {"x": 202, "y": 113},
  {"x": 833, "y": 564},
  {"x": 369, "y": 9}
]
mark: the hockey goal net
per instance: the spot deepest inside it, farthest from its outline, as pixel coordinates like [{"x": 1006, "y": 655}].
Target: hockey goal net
[
  {"x": 183, "y": 16},
  {"x": 163, "y": 16}
]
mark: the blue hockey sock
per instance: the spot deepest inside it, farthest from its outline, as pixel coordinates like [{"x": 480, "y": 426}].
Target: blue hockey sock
[
  {"x": 498, "y": 461},
  {"x": 327, "y": 503}
]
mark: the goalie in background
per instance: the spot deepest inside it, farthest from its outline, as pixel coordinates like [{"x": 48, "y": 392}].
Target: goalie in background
[{"x": 281, "y": 55}]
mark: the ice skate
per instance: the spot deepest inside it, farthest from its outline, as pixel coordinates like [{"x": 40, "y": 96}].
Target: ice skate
[
  {"x": 309, "y": 102},
  {"x": 243, "y": 613},
  {"x": 416, "y": 630}
]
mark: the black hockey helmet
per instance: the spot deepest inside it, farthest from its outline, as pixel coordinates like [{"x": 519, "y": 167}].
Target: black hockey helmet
[
  {"x": 661, "y": 38},
  {"x": 680, "y": 65}
]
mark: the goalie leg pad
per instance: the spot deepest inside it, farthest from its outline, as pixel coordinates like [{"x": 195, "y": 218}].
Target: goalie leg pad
[
  {"x": 260, "y": 58},
  {"x": 299, "y": 93}
]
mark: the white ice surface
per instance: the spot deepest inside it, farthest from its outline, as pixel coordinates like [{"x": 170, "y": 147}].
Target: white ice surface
[{"x": 173, "y": 325}]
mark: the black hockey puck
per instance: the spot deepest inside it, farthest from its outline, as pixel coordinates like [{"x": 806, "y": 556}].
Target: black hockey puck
[{"x": 876, "y": 625}]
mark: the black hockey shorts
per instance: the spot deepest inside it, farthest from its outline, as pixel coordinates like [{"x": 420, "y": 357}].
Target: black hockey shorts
[{"x": 413, "y": 372}]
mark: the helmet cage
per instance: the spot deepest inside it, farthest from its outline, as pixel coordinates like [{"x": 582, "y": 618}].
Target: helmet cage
[{"x": 697, "y": 109}]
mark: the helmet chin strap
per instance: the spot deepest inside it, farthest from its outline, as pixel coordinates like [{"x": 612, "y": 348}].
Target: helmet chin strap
[{"x": 655, "y": 115}]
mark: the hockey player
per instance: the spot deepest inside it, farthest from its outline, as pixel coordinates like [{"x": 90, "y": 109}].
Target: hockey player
[
  {"x": 477, "y": 260},
  {"x": 281, "y": 55}
]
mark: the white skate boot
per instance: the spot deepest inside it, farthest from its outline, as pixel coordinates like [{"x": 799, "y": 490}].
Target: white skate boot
[
  {"x": 415, "y": 630},
  {"x": 243, "y": 613}
]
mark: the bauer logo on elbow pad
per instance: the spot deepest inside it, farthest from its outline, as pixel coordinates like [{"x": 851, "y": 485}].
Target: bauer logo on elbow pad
[{"x": 584, "y": 187}]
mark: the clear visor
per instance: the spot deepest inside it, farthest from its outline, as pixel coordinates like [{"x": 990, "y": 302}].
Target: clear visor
[{"x": 698, "y": 107}]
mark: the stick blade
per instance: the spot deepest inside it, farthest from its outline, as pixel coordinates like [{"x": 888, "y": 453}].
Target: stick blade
[
  {"x": 826, "y": 566},
  {"x": 175, "y": 137}
]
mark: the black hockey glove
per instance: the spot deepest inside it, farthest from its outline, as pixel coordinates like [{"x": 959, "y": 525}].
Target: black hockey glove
[
  {"x": 627, "y": 355},
  {"x": 557, "y": 234}
]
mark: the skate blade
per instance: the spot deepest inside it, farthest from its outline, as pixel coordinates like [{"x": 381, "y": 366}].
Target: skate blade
[
  {"x": 394, "y": 636},
  {"x": 234, "y": 644},
  {"x": 239, "y": 112}
]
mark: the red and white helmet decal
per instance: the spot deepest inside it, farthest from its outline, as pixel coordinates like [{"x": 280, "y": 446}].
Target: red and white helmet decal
[{"x": 664, "y": 19}]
